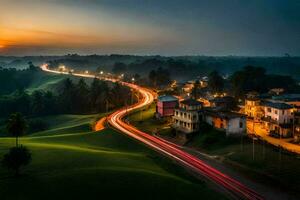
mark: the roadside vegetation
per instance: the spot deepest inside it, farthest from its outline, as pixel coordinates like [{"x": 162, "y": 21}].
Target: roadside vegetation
[{"x": 43, "y": 94}]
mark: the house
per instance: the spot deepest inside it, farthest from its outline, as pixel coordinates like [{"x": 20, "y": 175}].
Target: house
[
  {"x": 165, "y": 106},
  {"x": 253, "y": 108},
  {"x": 224, "y": 103},
  {"x": 186, "y": 117},
  {"x": 278, "y": 118},
  {"x": 188, "y": 86},
  {"x": 230, "y": 122}
]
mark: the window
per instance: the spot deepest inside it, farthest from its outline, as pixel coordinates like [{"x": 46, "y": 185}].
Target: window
[
  {"x": 241, "y": 124},
  {"x": 276, "y": 112},
  {"x": 194, "y": 117},
  {"x": 283, "y": 112},
  {"x": 269, "y": 109}
]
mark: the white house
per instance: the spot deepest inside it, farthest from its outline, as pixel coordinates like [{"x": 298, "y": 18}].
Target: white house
[
  {"x": 278, "y": 117},
  {"x": 281, "y": 113},
  {"x": 230, "y": 122}
]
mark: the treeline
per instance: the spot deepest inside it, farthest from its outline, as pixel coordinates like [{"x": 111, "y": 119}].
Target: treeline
[
  {"x": 250, "y": 79},
  {"x": 188, "y": 67},
  {"x": 256, "y": 79},
  {"x": 12, "y": 79},
  {"x": 73, "y": 98},
  {"x": 179, "y": 69}
]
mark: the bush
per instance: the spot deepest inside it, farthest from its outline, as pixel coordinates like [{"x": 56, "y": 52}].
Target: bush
[{"x": 16, "y": 158}]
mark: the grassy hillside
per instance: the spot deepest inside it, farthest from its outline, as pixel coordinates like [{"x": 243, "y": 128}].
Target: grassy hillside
[
  {"x": 71, "y": 162},
  {"x": 45, "y": 81}
]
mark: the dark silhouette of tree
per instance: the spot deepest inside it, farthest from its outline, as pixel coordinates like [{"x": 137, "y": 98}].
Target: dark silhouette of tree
[
  {"x": 163, "y": 76},
  {"x": 196, "y": 90},
  {"x": 215, "y": 82},
  {"x": 248, "y": 79},
  {"x": 16, "y": 126},
  {"x": 119, "y": 68},
  {"x": 81, "y": 96},
  {"x": 38, "y": 103},
  {"x": 159, "y": 77},
  {"x": 16, "y": 158},
  {"x": 152, "y": 77},
  {"x": 66, "y": 97}
]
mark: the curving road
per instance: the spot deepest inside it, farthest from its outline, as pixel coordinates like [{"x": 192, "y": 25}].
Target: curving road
[{"x": 235, "y": 188}]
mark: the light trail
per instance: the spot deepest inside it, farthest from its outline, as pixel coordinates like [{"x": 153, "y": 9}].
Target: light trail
[{"x": 235, "y": 188}]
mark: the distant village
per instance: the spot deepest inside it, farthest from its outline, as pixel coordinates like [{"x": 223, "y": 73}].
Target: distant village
[{"x": 275, "y": 114}]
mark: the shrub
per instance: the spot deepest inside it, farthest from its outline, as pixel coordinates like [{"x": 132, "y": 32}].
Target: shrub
[{"x": 16, "y": 158}]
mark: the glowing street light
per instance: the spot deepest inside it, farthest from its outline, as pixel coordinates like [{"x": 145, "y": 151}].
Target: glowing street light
[
  {"x": 132, "y": 79},
  {"x": 86, "y": 72},
  {"x": 62, "y": 68},
  {"x": 101, "y": 72}
]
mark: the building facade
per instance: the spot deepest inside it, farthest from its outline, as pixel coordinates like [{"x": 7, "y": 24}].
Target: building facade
[
  {"x": 229, "y": 122},
  {"x": 253, "y": 109},
  {"x": 278, "y": 118},
  {"x": 187, "y": 116},
  {"x": 166, "y": 105}
]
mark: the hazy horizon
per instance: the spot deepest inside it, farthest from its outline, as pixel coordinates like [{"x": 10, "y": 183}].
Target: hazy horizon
[{"x": 167, "y": 28}]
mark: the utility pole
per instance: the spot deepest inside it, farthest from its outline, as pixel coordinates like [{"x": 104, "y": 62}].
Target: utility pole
[
  {"x": 242, "y": 142},
  {"x": 293, "y": 120},
  {"x": 280, "y": 151},
  {"x": 253, "y": 147},
  {"x": 106, "y": 101}
]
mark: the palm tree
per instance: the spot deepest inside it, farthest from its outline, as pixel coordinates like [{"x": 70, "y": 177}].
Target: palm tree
[{"x": 16, "y": 126}]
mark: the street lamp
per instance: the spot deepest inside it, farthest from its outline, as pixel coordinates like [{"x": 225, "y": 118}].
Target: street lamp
[
  {"x": 101, "y": 72},
  {"x": 132, "y": 79}
]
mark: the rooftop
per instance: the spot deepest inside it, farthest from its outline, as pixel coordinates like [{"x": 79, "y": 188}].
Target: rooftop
[
  {"x": 167, "y": 98},
  {"x": 277, "y": 105},
  {"x": 224, "y": 114},
  {"x": 225, "y": 99},
  {"x": 191, "y": 102},
  {"x": 287, "y": 97}
]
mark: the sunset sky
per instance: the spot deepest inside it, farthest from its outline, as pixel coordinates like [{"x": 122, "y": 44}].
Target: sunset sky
[{"x": 167, "y": 27}]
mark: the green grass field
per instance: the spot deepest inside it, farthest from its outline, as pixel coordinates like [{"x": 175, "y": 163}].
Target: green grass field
[{"x": 71, "y": 162}]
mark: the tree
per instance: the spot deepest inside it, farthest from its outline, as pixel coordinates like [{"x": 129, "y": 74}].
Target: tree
[
  {"x": 66, "y": 97},
  {"x": 152, "y": 77},
  {"x": 16, "y": 158},
  {"x": 16, "y": 126},
  {"x": 196, "y": 90},
  {"x": 37, "y": 103},
  {"x": 81, "y": 96},
  {"x": 249, "y": 79},
  {"x": 215, "y": 82},
  {"x": 119, "y": 68},
  {"x": 163, "y": 76}
]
